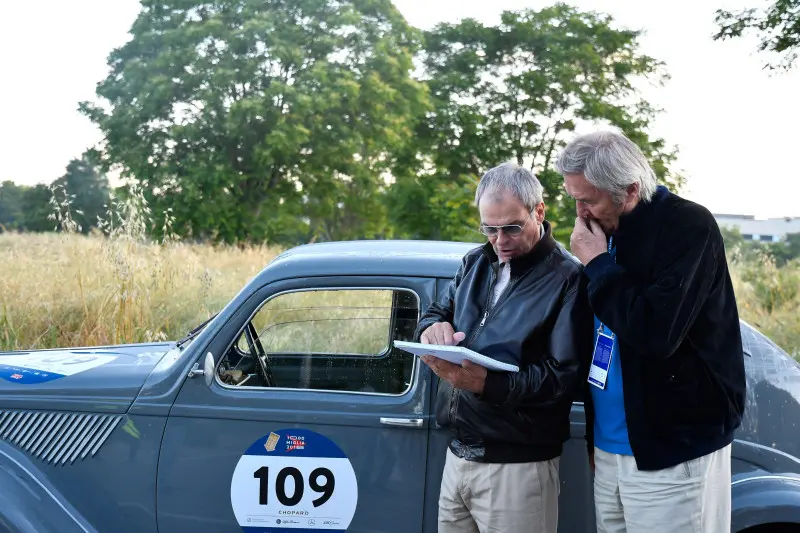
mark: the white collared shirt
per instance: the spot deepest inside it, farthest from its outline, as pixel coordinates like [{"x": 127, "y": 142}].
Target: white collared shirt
[{"x": 503, "y": 277}]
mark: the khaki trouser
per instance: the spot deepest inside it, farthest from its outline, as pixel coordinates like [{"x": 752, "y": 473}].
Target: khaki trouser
[
  {"x": 490, "y": 497},
  {"x": 692, "y": 497}
]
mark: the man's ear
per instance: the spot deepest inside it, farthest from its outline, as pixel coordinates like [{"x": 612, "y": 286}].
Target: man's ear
[
  {"x": 631, "y": 193},
  {"x": 539, "y": 211}
]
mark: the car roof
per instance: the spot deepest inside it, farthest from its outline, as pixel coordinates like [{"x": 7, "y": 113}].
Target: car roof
[{"x": 370, "y": 257}]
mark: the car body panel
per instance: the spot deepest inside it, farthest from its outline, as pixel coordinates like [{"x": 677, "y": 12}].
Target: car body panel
[
  {"x": 111, "y": 483},
  {"x": 218, "y": 423},
  {"x": 109, "y": 387},
  {"x": 32, "y": 503},
  {"x": 146, "y": 442}
]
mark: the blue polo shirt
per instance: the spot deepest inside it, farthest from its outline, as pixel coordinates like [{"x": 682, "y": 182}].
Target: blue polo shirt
[{"x": 610, "y": 427}]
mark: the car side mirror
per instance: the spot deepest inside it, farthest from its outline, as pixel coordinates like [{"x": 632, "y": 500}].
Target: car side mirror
[{"x": 208, "y": 368}]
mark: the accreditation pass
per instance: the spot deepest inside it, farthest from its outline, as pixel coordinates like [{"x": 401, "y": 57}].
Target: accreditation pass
[{"x": 601, "y": 360}]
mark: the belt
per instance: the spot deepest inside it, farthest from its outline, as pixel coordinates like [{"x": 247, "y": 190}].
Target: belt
[{"x": 468, "y": 452}]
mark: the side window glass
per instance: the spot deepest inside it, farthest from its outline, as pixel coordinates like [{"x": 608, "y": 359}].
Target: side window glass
[{"x": 331, "y": 339}]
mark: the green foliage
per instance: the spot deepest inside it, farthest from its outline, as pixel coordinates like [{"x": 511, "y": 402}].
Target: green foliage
[
  {"x": 289, "y": 122},
  {"x": 786, "y": 250},
  {"x": 85, "y": 190},
  {"x": 768, "y": 294},
  {"x": 273, "y": 120},
  {"x": 81, "y": 188},
  {"x": 11, "y": 214},
  {"x": 779, "y": 253},
  {"x": 37, "y": 209},
  {"x": 778, "y": 27},
  {"x": 518, "y": 91},
  {"x": 774, "y": 287}
]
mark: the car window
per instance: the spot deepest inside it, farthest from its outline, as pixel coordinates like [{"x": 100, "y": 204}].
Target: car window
[{"x": 331, "y": 339}]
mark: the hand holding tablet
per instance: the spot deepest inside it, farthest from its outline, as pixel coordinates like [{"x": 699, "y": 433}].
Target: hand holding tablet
[{"x": 454, "y": 354}]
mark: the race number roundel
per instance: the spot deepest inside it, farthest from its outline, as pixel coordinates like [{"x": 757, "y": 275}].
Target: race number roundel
[{"x": 293, "y": 479}]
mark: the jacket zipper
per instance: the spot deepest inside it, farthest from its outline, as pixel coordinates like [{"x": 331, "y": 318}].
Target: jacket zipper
[
  {"x": 503, "y": 297},
  {"x": 491, "y": 310},
  {"x": 453, "y": 395},
  {"x": 486, "y": 313}
]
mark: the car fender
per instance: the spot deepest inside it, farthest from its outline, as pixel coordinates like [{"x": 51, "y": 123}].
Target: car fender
[
  {"x": 765, "y": 499},
  {"x": 28, "y": 501}
]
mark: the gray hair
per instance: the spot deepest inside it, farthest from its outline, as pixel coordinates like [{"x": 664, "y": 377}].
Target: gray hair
[
  {"x": 609, "y": 161},
  {"x": 513, "y": 179}
]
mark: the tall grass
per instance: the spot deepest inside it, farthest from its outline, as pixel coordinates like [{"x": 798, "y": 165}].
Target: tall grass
[
  {"x": 113, "y": 286},
  {"x": 768, "y": 298},
  {"x": 116, "y": 286},
  {"x": 73, "y": 290}
]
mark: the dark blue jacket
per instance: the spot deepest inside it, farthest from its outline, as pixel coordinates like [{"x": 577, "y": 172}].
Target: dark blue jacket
[{"x": 670, "y": 301}]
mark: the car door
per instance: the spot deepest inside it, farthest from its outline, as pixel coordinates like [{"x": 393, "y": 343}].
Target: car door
[{"x": 312, "y": 420}]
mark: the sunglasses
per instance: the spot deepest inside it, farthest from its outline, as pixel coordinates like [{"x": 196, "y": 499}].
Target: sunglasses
[{"x": 511, "y": 230}]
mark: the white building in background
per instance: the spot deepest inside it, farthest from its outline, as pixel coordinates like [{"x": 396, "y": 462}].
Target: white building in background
[{"x": 760, "y": 229}]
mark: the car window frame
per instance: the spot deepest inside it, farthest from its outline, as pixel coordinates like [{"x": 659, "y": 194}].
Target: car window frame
[
  {"x": 353, "y": 355},
  {"x": 414, "y": 374}
]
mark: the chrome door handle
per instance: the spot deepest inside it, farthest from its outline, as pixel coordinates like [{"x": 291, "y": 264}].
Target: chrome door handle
[{"x": 403, "y": 422}]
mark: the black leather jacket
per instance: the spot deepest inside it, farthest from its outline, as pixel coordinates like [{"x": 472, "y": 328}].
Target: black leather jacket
[{"x": 542, "y": 323}]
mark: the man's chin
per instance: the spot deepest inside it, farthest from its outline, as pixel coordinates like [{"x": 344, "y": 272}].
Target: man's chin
[{"x": 506, "y": 256}]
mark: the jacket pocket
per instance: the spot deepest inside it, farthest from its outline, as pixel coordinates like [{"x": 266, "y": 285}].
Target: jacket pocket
[
  {"x": 443, "y": 400},
  {"x": 685, "y": 393}
]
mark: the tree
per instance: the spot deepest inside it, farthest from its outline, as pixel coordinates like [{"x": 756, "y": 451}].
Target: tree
[
  {"x": 786, "y": 250},
  {"x": 778, "y": 27},
  {"x": 36, "y": 209},
  {"x": 273, "y": 120},
  {"x": 517, "y": 91},
  {"x": 11, "y": 214},
  {"x": 731, "y": 237},
  {"x": 85, "y": 190},
  {"x": 25, "y": 208}
]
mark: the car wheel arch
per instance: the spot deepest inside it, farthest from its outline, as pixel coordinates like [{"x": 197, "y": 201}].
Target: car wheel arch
[{"x": 766, "y": 504}]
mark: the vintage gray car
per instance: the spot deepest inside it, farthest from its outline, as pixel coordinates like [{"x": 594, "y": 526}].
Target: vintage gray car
[{"x": 291, "y": 410}]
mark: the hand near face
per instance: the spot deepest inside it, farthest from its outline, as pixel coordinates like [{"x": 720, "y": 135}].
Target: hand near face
[{"x": 587, "y": 240}]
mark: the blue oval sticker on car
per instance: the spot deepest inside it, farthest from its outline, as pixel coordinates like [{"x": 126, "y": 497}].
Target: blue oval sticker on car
[{"x": 40, "y": 367}]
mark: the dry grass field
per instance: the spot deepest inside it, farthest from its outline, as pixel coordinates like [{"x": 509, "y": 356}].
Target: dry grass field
[{"x": 59, "y": 290}]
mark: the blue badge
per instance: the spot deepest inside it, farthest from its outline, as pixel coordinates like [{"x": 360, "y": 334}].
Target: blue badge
[{"x": 601, "y": 360}]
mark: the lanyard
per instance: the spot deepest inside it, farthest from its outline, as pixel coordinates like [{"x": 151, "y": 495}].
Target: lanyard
[{"x": 601, "y": 328}]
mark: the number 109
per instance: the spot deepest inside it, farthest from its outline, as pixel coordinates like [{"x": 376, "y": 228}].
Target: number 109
[{"x": 326, "y": 489}]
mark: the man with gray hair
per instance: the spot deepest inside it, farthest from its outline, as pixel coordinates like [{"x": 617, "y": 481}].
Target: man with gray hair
[
  {"x": 666, "y": 380},
  {"x": 519, "y": 299}
]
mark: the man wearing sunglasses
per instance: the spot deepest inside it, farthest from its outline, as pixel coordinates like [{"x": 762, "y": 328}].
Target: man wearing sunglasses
[{"x": 518, "y": 299}]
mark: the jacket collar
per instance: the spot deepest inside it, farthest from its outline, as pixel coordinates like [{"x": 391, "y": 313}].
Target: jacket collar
[
  {"x": 636, "y": 220},
  {"x": 523, "y": 263}
]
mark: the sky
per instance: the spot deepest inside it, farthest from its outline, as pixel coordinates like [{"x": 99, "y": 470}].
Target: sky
[{"x": 734, "y": 123}]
